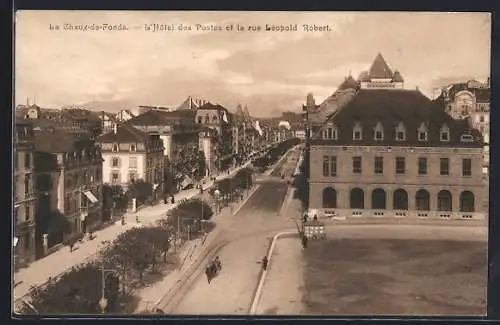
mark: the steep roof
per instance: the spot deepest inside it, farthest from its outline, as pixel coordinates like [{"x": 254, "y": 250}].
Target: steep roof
[
  {"x": 125, "y": 133},
  {"x": 389, "y": 108},
  {"x": 348, "y": 83},
  {"x": 54, "y": 140},
  {"x": 380, "y": 69}
]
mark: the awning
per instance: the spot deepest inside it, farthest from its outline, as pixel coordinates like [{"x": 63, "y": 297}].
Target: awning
[{"x": 90, "y": 196}]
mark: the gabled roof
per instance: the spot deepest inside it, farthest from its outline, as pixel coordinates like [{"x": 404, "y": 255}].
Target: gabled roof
[
  {"x": 125, "y": 133},
  {"x": 390, "y": 107},
  {"x": 380, "y": 69}
]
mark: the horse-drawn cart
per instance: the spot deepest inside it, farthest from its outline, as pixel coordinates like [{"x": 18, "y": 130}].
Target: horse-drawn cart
[{"x": 213, "y": 269}]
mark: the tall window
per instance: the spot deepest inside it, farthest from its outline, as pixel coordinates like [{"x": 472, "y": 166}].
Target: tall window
[
  {"x": 357, "y": 132},
  {"x": 333, "y": 166},
  {"x": 400, "y": 135},
  {"x": 132, "y": 147},
  {"x": 400, "y": 165},
  {"x": 466, "y": 167},
  {"x": 115, "y": 162},
  {"x": 115, "y": 178},
  {"x": 356, "y": 165},
  {"x": 131, "y": 177},
  {"x": 27, "y": 182},
  {"x": 422, "y": 132},
  {"x": 27, "y": 160},
  {"x": 326, "y": 166},
  {"x": 330, "y": 133},
  {"x": 379, "y": 165},
  {"x": 422, "y": 166},
  {"x": 444, "y": 166},
  {"x": 132, "y": 162},
  {"x": 27, "y": 213},
  {"x": 115, "y": 147}
]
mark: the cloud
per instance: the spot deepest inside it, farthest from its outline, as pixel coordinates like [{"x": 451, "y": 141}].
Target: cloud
[{"x": 265, "y": 70}]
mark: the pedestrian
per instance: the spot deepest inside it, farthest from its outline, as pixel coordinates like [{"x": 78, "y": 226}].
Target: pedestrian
[
  {"x": 137, "y": 218},
  {"x": 304, "y": 242},
  {"x": 264, "y": 263},
  {"x": 71, "y": 245},
  {"x": 123, "y": 220},
  {"x": 165, "y": 201},
  {"x": 172, "y": 200}
]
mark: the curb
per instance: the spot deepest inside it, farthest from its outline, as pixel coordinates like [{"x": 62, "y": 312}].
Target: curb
[
  {"x": 258, "y": 292},
  {"x": 250, "y": 194}
]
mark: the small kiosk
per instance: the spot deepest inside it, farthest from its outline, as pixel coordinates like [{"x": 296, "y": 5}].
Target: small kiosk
[{"x": 314, "y": 229}]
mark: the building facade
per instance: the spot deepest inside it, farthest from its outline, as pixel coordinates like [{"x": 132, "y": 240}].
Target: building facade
[
  {"x": 217, "y": 118},
  {"x": 470, "y": 100},
  {"x": 128, "y": 155},
  {"x": 69, "y": 187},
  {"x": 179, "y": 133},
  {"x": 24, "y": 193},
  {"x": 391, "y": 152}
]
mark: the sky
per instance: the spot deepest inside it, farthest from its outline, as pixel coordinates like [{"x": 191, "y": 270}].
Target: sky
[{"x": 269, "y": 71}]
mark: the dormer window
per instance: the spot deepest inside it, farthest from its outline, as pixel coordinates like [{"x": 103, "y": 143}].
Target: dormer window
[
  {"x": 357, "y": 133},
  {"x": 330, "y": 133},
  {"x": 400, "y": 132},
  {"x": 466, "y": 138},
  {"x": 132, "y": 147},
  {"x": 422, "y": 132},
  {"x": 115, "y": 147},
  {"x": 378, "y": 132},
  {"x": 444, "y": 133}
]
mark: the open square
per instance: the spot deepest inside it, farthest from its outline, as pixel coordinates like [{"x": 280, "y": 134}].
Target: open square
[{"x": 353, "y": 276}]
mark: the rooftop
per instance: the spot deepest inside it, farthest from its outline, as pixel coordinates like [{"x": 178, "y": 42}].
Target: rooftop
[
  {"x": 124, "y": 133},
  {"x": 391, "y": 107},
  {"x": 380, "y": 69}
]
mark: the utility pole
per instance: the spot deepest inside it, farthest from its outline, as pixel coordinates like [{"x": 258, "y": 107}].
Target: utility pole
[{"x": 310, "y": 106}]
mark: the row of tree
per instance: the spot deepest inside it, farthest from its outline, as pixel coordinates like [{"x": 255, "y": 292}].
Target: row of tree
[
  {"x": 275, "y": 153},
  {"x": 122, "y": 264},
  {"x": 230, "y": 188}
]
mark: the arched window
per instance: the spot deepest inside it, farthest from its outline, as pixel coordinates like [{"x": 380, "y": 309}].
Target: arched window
[
  {"x": 115, "y": 147},
  {"x": 207, "y": 119},
  {"x": 400, "y": 199},
  {"x": 200, "y": 119},
  {"x": 467, "y": 201},
  {"x": 329, "y": 198},
  {"x": 444, "y": 133},
  {"x": 444, "y": 201},
  {"x": 357, "y": 132},
  {"x": 422, "y": 132},
  {"x": 378, "y": 199},
  {"x": 400, "y": 132},
  {"x": 214, "y": 118},
  {"x": 357, "y": 199},
  {"x": 422, "y": 199},
  {"x": 378, "y": 132}
]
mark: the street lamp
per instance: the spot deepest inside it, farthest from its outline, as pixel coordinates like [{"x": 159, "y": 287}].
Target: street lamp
[
  {"x": 217, "y": 199},
  {"x": 103, "y": 302}
]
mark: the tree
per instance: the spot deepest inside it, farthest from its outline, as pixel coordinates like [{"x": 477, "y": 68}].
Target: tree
[
  {"x": 76, "y": 292},
  {"x": 137, "y": 249},
  {"x": 190, "y": 214},
  {"x": 140, "y": 190}
]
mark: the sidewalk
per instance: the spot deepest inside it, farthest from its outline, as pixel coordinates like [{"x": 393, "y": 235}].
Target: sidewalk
[
  {"x": 39, "y": 272},
  {"x": 151, "y": 296}
]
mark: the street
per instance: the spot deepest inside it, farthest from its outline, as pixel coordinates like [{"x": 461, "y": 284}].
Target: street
[
  {"x": 248, "y": 235},
  {"x": 60, "y": 261}
]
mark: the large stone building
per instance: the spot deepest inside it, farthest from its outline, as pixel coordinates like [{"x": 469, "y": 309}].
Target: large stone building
[
  {"x": 69, "y": 186},
  {"x": 179, "y": 133},
  {"x": 219, "y": 119},
  {"x": 471, "y": 101},
  {"x": 385, "y": 151},
  {"x": 24, "y": 193},
  {"x": 129, "y": 154}
]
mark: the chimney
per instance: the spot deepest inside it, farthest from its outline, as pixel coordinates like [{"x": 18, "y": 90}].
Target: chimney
[{"x": 115, "y": 128}]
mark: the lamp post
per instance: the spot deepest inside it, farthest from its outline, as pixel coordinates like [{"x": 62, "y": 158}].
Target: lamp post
[
  {"x": 217, "y": 198},
  {"x": 103, "y": 302}
]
